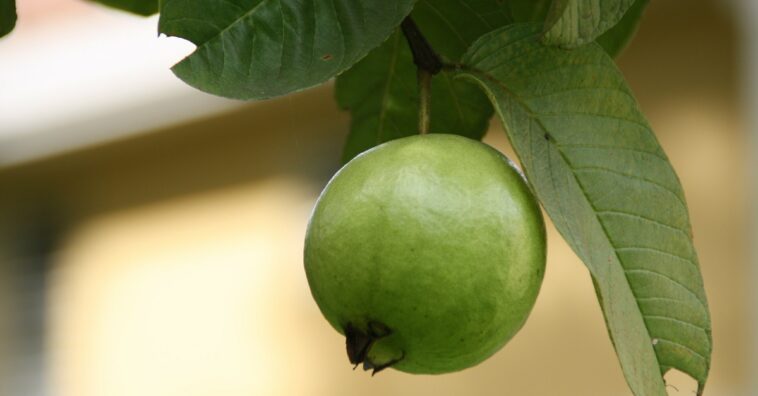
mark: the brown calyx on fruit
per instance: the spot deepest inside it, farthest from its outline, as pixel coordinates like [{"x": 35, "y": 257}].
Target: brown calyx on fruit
[{"x": 359, "y": 343}]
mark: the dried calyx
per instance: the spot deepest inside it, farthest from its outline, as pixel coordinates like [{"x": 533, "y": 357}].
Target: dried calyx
[{"x": 359, "y": 345}]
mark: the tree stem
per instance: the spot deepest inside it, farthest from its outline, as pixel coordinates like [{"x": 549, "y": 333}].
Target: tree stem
[
  {"x": 428, "y": 63},
  {"x": 423, "y": 54}
]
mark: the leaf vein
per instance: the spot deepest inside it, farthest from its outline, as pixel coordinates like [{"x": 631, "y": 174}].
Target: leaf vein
[
  {"x": 601, "y": 147},
  {"x": 631, "y": 176},
  {"x": 698, "y": 354},
  {"x": 654, "y": 250},
  {"x": 662, "y": 275},
  {"x": 640, "y": 217},
  {"x": 682, "y": 322}
]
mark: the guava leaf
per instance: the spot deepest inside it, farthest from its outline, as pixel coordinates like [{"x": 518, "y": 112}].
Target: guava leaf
[
  {"x": 596, "y": 166},
  {"x": 616, "y": 39},
  {"x": 613, "y": 41},
  {"x": 528, "y": 10},
  {"x": 256, "y": 49},
  {"x": 381, "y": 93},
  {"x": 139, "y": 7},
  {"x": 571, "y": 23},
  {"x": 381, "y": 90},
  {"x": 7, "y": 16},
  {"x": 452, "y": 26}
]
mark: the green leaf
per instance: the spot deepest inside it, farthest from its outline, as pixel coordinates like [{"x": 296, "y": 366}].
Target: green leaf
[
  {"x": 571, "y": 23},
  {"x": 140, "y": 7},
  {"x": 616, "y": 39},
  {"x": 452, "y": 26},
  {"x": 7, "y": 16},
  {"x": 256, "y": 49},
  {"x": 528, "y": 10},
  {"x": 613, "y": 40},
  {"x": 381, "y": 93},
  {"x": 601, "y": 175}
]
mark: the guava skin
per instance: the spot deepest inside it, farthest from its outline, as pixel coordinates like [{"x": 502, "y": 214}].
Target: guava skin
[{"x": 437, "y": 241}]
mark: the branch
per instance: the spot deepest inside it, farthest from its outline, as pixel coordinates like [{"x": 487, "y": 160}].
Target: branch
[{"x": 423, "y": 54}]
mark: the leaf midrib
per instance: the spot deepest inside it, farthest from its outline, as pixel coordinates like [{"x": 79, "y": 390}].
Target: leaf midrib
[
  {"x": 456, "y": 101},
  {"x": 387, "y": 88}
]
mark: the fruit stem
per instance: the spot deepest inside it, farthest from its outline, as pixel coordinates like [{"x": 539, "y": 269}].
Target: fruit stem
[
  {"x": 425, "y": 88},
  {"x": 428, "y": 63}
]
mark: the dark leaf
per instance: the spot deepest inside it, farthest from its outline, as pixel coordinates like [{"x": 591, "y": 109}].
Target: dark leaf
[
  {"x": 7, "y": 16},
  {"x": 140, "y": 7},
  {"x": 256, "y": 49}
]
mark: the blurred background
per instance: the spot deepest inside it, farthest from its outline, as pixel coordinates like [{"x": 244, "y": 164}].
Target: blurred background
[{"x": 151, "y": 235}]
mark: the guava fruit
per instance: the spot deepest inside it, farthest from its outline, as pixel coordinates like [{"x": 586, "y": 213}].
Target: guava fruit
[{"x": 427, "y": 253}]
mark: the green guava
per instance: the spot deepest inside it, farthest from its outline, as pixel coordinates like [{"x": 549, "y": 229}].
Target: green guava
[{"x": 427, "y": 253}]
